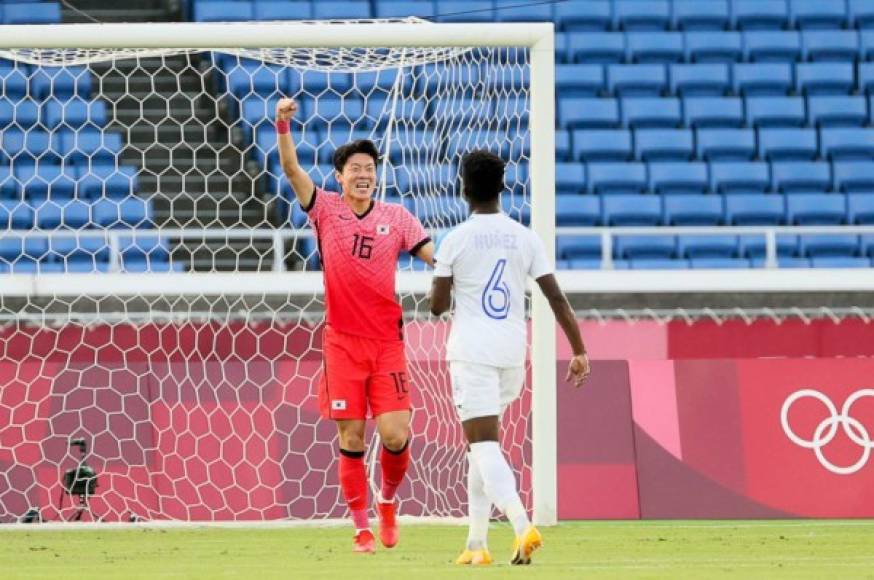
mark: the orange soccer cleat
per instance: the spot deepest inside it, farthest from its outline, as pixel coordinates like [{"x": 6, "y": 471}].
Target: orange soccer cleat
[
  {"x": 475, "y": 557},
  {"x": 524, "y": 546},
  {"x": 388, "y": 524},
  {"x": 365, "y": 543}
]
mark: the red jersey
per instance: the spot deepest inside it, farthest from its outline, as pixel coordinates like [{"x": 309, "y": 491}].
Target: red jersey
[{"x": 359, "y": 256}]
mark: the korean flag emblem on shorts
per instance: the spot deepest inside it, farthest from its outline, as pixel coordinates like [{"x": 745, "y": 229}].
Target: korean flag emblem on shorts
[
  {"x": 382, "y": 229},
  {"x": 338, "y": 405}
]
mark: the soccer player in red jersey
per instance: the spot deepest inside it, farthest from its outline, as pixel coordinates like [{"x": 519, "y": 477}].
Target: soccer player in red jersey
[{"x": 365, "y": 367}]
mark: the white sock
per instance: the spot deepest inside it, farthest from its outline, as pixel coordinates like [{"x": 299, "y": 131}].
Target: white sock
[
  {"x": 479, "y": 508},
  {"x": 500, "y": 485}
]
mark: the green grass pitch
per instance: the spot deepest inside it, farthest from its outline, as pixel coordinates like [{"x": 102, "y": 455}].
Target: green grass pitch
[{"x": 662, "y": 549}]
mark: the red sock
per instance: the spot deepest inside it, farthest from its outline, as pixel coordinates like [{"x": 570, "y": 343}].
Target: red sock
[
  {"x": 353, "y": 482},
  {"x": 394, "y": 466}
]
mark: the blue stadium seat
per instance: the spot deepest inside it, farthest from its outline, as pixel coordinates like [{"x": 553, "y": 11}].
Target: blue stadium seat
[
  {"x": 762, "y": 78},
  {"x": 699, "y": 79},
  {"x": 866, "y": 77},
  {"x": 792, "y": 144},
  {"x": 853, "y": 176},
  {"x": 360, "y": 9},
  {"x": 253, "y": 77},
  {"x": 697, "y": 15},
  {"x": 788, "y": 262},
  {"x": 719, "y": 263},
  {"x": 772, "y": 45},
  {"x": 222, "y": 11},
  {"x": 562, "y": 145},
  {"x": 713, "y": 46},
  {"x": 693, "y": 210},
  {"x": 461, "y": 142},
  {"x": 754, "y": 209},
  {"x": 561, "y": 54},
  {"x": 847, "y": 144},
  {"x": 761, "y": 14},
  {"x": 860, "y": 208},
  {"x": 570, "y": 177},
  {"x": 739, "y": 177},
  {"x": 284, "y": 10},
  {"x": 73, "y": 214},
  {"x": 651, "y": 112},
  {"x": 74, "y": 113},
  {"x": 576, "y": 247},
  {"x": 42, "y": 180},
  {"x": 30, "y": 248},
  {"x": 596, "y": 47},
  {"x": 818, "y": 14},
  {"x": 16, "y": 215},
  {"x": 713, "y": 111},
  {"x": 316, "y": 81},
  {"x": 830, "y": 45},
  {"x": 726, "y": 144},
  {"x": 868, "y": 245},
  {"x": 840, "y": 262},
  {"x": 90, "y": 145},
  {"x": 861, "y": 13},
  {"x": 641, "y": 14},
  {"x": 586, "y": 264},
  {"x": 511, "y": 11},
  {"x": 626, "y": 80},
  {"x": 130, "y": 212},
  {"x": 801, "y": 177},
  {"x": 13, "y": 79},
  {"x": 663, "y": 144},
  {"x": 753, "y": 246},
  {"x": 668, "y": 178},
  {"x": 30, "y": 145},
  {"x": 379, "y": 110},
  {"x": 60, "y": 82},
  {"x": 655, "y": 47},
  {"x": 813, "y": 245},
  {"x": 653, "y": 264},
  {"x": 588, "y": 15},
  {"x": 602, "y": 144},
  {"x": 610, "y": 178},
  {"x": 106, "y": 180},
  {"x": 69, "y": 249},
  {"x": 395, "y": 9},
  {"x": 588, "y": 113},
  {"x": 776, "y": 111},
  {"x": 641, "y": 246},
  {"x": 816, "y": 209},
  {"x": 631, "y": 210},
  {"x": 434, "y": 210},
  {"x": 866, "y": 44},
  {"x": 579, "y": 80},
  {"x": 8, "y": 183},
  {"x": 453, "y": 111},
  {"x": 26, "y": 13},
  {"x": 825, "y": 78},
  {"x": 835, "y": 111},
  {"x": 406, "y": 141},
  {"x": 575, "y": 210},
  {"x": 709, "y": 246},
  {"x": 19, "y": 114}
]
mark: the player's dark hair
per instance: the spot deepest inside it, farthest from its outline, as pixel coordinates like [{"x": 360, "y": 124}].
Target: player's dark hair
[
  {"x": 482, "y": 173},
  {"x": 344, "y": 152}
]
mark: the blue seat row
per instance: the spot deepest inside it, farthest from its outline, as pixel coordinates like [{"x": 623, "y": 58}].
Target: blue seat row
[
  {"x": 70, "y": 113},
  {"x": 76, "y": 147},
  {"x": 708, "y": 209},
  {"x": 717, "y": 263},
  {"x": 130, "y": 212},
  {"x": 716, "y": 246},
  {"x": 712, "y": 79},
  {"x": 710, "y": 112},
  {"x": 45, "y": 250},
  {"x": 18, "y": 80},
  {"x": 24, "y": 12},
  {"x": 733, "y": 178},
  {"x": 715, "y": 46},
  {"x": 40, "y": 180}
]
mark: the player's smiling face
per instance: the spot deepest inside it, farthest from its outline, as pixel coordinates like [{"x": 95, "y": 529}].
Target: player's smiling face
[{"x": 358, "y": 178}]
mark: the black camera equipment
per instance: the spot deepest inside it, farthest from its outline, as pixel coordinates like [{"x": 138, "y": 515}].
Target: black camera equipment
[{"x": 80, "y": 481}]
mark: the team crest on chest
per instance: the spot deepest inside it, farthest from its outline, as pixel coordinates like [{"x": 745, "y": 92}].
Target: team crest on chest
[{"x": 382, "y": 229}]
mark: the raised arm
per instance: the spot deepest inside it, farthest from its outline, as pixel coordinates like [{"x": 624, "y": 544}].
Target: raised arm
[
  {"x": 298, "y": 177},
  {"x": 578, "y": 368}
]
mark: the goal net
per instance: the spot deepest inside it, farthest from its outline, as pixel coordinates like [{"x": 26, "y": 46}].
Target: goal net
[{"x": 175, "y": 322}]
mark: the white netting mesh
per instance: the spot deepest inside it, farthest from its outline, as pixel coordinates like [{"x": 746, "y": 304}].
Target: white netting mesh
[{"x": 202, "y": 406}]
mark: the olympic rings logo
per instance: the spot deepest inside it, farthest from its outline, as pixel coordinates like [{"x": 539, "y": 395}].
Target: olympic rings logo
[{"x": 828, "y": 428}]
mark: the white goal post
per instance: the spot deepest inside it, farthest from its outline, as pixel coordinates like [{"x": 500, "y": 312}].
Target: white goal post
[{"x": 536, "y": 38}]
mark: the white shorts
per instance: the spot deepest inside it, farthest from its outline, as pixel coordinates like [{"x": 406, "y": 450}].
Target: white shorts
[{"x": 483, "y": 390}]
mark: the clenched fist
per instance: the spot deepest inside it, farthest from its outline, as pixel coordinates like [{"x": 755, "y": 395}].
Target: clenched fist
[{"x": 285, "y": 109}]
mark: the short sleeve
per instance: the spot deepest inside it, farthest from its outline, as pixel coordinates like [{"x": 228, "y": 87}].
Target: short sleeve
[
  {"x": 317, "y": 205},
  {"x": 540, "y": 265},
  {"x": 413, "y": 234},
  {"x": 445, "y": 257}
]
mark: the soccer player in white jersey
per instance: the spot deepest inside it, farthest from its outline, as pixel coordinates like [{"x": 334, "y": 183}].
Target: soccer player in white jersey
[{"x": 488, "y": 259}]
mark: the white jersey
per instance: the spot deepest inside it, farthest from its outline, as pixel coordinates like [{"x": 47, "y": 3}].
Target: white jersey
[{"x": 490, "y": 257}]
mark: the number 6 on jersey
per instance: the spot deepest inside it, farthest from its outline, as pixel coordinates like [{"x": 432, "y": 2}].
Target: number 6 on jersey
[{"x": 496, "y": 295}]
